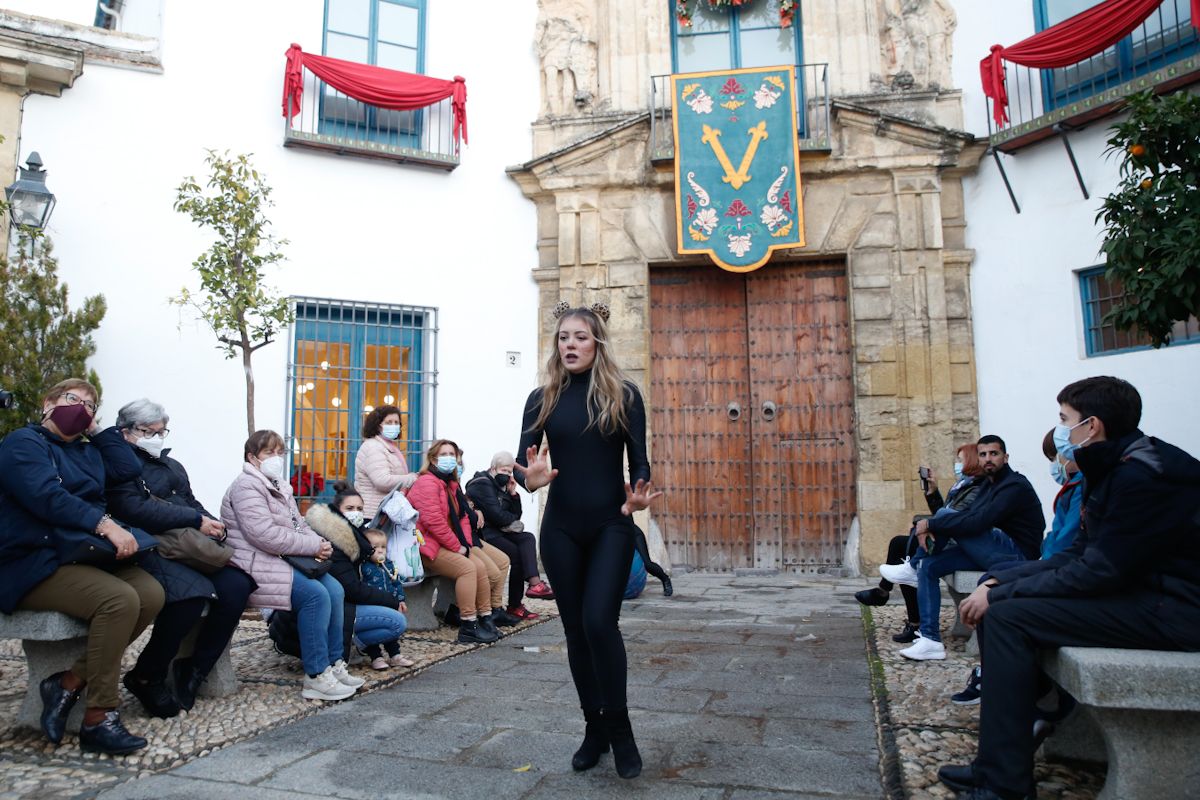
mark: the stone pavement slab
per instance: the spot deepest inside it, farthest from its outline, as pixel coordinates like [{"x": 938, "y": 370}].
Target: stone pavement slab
[{"x": 756, "y": 688}]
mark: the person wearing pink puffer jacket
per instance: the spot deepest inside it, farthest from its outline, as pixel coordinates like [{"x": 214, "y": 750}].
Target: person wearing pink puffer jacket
[
  {"x": 263, "y": 525},
  {"x": 380, "y": 466}
]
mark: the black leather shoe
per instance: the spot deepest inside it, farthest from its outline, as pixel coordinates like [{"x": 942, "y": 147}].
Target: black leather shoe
[
  {"x": 626, "y": 757},
  {"x": 503, "y": 619},
  {"x": 470, "y": 632},
  {"x": 110, "y": 737},
  {"x": 668, "y": 589},
  {"x": 595, "y": 743},
  {"x": 908, "y": 635},
  {"x": 453, "y": 616},
  {"x": 959, "y": 777},
  {"x": 488, "y": 625},
  {"x": 874, "y": 596},
  {"x": 154, "y": 696},
  {"x": 57, "y": 703},
  {"x": 187, "y": 683}
]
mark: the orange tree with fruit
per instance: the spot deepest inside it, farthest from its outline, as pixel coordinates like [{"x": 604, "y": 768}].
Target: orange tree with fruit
[{"x": 1152, "y": 220}]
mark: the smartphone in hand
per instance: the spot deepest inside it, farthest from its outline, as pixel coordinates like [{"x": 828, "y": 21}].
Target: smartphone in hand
[{"x": 923, "y": 472}]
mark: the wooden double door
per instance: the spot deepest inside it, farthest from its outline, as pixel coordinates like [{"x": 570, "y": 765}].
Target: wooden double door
[{"x": 752, "y": 416}]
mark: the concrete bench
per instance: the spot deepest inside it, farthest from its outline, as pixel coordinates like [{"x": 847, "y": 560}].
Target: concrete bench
[
  {"x": 1145, "y": 706},
  {"x": 959, "y": 585},
  {"x": 53, "y": 642},
  {"x": 423, "y": 600}
]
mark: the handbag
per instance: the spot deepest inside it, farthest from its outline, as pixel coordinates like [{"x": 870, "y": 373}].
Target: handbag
[
  {"x": 75, "y": 546},
  {"x": 192, "y": 548},
  {"x": 309, "y": 566}
]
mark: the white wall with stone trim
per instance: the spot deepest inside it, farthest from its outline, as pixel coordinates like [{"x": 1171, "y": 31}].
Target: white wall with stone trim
[
  {"x": 1029, "y": 335},
  {"x": 119, "y": 142}
]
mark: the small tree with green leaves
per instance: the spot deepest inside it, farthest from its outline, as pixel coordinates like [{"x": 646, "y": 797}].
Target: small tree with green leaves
[
  {"x": 1152, "y": 220},
  {"x": 244, "y": 314},
  {"x": 44, "y": 341}
]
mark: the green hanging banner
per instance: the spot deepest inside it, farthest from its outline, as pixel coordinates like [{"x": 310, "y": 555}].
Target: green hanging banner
[{"x": 737, "y": 165}]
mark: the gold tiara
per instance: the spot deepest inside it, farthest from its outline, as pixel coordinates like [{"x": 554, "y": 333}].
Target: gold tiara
[{"x": 599, "y": 309}]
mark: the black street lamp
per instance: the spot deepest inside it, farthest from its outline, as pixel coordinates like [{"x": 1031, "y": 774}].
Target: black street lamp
[{"x": 30, "y": 203}]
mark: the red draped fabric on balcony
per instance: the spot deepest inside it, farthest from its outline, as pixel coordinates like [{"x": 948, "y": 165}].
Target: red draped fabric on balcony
[
  {"x": 376, "y": 86},
  {"x": 1068, "y": 42}
]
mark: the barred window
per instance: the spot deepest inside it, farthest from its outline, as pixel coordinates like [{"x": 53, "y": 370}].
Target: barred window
[
  {"x": 1099, "y": 295},
  {"x": 348, "y": 358}
]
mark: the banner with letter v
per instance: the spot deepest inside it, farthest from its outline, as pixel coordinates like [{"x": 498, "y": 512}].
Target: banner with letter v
[{"x": 737, "y": 158}]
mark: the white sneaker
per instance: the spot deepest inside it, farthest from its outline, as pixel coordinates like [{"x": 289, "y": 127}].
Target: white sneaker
[
  {"x": 343, "y": 675},
  {"x": 925, "y": 650},
  {"x": 902, "y": 574},
  {"x": 325, "y": 687}
]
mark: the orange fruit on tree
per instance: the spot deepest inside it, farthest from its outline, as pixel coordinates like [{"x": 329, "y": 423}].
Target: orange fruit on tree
[{"x": 1137, "y": 150}]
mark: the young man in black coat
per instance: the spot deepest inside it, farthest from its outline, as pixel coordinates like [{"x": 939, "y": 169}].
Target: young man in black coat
[{"x": 1131, "y": 580}]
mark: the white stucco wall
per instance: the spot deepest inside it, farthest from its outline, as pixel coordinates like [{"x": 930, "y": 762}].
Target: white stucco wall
[
  {"x": 119, "y": 142},
  {"x": 1029, "y": 337}
]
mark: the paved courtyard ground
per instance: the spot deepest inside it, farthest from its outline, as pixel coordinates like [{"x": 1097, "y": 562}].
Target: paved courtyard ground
[{"x": 747, "y": 688}]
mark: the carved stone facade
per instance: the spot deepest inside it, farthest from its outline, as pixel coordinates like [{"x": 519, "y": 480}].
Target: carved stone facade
[{"x": 887, "y": 199}]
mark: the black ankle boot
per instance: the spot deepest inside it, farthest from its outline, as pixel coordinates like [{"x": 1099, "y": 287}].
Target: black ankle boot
[
  {"x": 668, "y": 589},
  {"x": 595, "y": 742},
  {"x": 155, "y": 697},
  {"x": 626, "y": 757},
  {"x": 187, "y": 683}
]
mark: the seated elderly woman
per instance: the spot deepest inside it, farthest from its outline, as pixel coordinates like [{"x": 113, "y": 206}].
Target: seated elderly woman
[
  {"x": 52, "y": 481},
  {"x": 161, "y": 503},
  {"x": 264, "y": 525},
  {"x": 494, "y": 493}
]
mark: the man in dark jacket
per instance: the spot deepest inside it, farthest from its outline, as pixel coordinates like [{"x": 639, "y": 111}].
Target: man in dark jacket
[
  {"x": 1004, "y": 524},
  {"x": 1130, "y": 580}
]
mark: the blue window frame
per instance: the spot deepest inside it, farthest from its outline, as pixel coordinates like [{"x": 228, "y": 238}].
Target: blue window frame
[
  {"x": 348, "y": 358},
  {"x": 1099, "y": 295},
  {"x": 386, "y": 33},
  {"x": 734, "y": 37},
  {"x": 1166, "y": 36}
]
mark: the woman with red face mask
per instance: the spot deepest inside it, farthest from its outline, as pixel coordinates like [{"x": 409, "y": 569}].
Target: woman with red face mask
[{"x": 52, "y": 481}]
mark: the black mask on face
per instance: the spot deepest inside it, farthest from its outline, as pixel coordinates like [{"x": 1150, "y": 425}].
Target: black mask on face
[
  {"x": 501, "y": 480},
  {"x": 71, "y": 420}
]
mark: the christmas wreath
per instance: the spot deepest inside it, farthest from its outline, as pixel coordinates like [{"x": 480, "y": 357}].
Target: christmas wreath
[{"x": 683, "y": 9}]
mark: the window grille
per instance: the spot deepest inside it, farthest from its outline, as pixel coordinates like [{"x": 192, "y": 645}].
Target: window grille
[{"x": 1099, "y": 295}]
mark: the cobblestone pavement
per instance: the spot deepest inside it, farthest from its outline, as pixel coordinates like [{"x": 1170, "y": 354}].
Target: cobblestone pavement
[
  {"x": 268, "y": 696},
  {"x": 929, "y": 730},
  {"x": 740, "y": 688}
]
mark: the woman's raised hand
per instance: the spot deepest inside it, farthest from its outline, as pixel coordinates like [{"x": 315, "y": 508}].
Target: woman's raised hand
[
  {"x": 538, "y": 473},
  {"x": 639, "y": 497}
]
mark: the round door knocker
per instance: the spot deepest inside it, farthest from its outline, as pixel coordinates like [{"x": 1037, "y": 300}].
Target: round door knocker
[
  {"x": 734, "y": 411},
  {"x": 769, "y": 410}
]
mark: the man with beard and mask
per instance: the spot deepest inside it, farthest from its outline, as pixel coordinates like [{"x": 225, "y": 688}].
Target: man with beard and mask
[
  {"x": 1131, "y": 579},
  {"x": 52, "y": 504},
  {"x": 1004, "y": 524}
]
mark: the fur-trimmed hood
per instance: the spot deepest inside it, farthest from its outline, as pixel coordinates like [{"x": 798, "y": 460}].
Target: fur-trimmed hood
[{"x": 335, "y": 528}]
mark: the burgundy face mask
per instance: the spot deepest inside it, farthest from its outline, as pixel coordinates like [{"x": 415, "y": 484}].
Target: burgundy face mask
[{"x": 71, "y": 420}]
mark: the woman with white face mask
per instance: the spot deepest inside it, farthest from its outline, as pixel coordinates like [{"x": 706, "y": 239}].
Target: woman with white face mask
[
  {"x": 380, "y": 466},
  {"x": 158, "y": 501},
  {"x": 263, "y": 525}
]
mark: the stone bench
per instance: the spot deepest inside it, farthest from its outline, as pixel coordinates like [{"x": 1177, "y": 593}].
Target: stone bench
[
  {"x": 959, "y": 585},
  {"x": 53, "y": 642},
  {"x": 425, "y": 599},
  {"x": 1145, "y": 707}
]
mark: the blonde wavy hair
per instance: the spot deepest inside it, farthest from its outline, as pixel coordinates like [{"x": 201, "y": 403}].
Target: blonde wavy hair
[{"x": 607, "y": 391}]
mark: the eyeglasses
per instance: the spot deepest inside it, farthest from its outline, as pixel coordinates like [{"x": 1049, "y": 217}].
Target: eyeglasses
[
  {"x": 74, "y": 400},
  {"x": 146, "y": 433}
]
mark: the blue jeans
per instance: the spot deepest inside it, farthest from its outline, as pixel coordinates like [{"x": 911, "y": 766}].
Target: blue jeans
[
  {"x": 974, "y": 553},
  {"x": 318, "y": 604},
  {"x": 378, "y": 624}
]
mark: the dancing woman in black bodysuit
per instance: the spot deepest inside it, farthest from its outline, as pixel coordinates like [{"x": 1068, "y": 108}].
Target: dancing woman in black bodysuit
[{"x": 591, "y": 417}]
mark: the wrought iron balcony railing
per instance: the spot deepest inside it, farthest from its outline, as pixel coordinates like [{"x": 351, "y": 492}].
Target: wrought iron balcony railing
[
  {"x": 1162, "y": 53},
  {"x": 812, "y": 112},
  {"x": 329, "y": 120}
]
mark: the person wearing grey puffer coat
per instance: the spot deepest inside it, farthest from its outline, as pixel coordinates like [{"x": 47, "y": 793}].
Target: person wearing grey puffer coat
[{"x": 263, "y": 525}]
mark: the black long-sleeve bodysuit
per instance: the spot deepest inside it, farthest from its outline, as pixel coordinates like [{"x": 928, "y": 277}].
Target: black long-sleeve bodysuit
[{"x": 587, "y": 543}]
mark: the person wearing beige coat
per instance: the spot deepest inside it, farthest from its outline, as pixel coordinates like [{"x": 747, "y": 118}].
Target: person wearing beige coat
[
  {"x": 263, "y": 525},
  {"x": 380, "y": 466}
]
